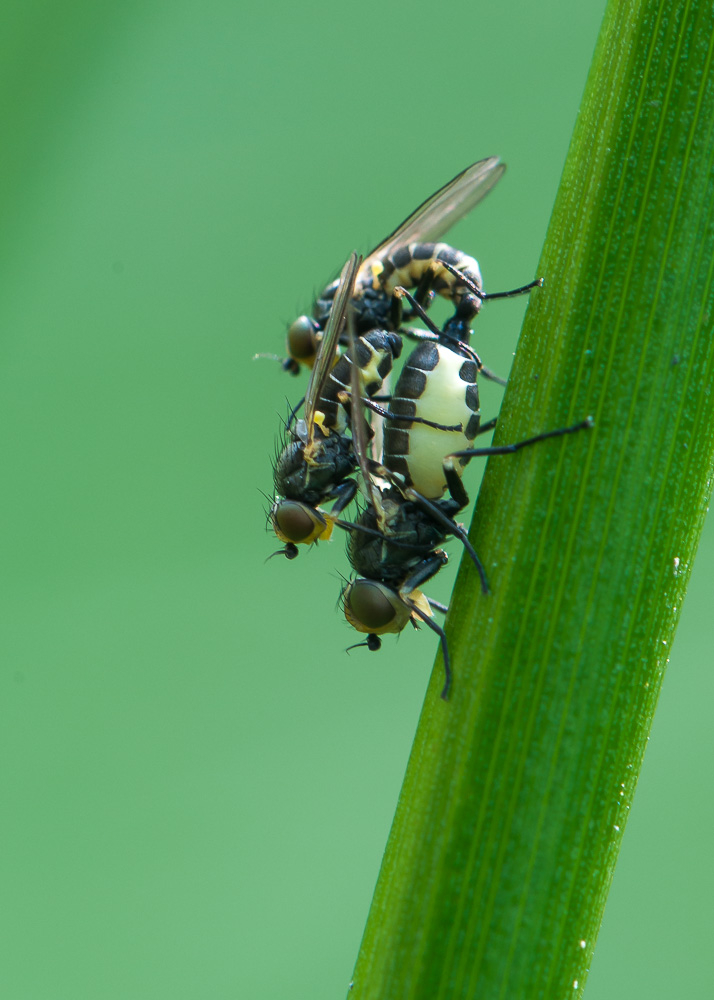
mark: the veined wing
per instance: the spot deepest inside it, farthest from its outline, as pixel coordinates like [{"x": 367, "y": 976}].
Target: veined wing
[
  {"x": 359, "y": 427},
  {"x": 328, "y": 346},
  {"x": 435, "y": 216}
]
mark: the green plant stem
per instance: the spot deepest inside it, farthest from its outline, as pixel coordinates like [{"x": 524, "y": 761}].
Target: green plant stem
[{"x": 517, "y": 791}]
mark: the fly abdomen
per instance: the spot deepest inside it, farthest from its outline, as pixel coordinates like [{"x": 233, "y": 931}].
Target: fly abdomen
[
  {"x": 375, "y": 352},
  {"x": 407, "y": 265},
  {"x": 438, "y": 385}
]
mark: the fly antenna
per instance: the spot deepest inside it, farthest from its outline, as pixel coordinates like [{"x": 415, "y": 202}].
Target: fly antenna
[
  {"x": 290, "y": 552},
  {"x": 372, "y": 642}
]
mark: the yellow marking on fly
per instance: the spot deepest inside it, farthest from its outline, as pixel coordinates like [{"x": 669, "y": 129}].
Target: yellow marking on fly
[
  {"x": 326, "y": 533},
  {"x": 376, "y": 269},
  {"x": 319, "y": 419},
  {"x": 416, "y": 597},
  {"x": 313, "y": 447},
  {"x": 369, "y": 373},
  {"x": 411, "y": 273}
]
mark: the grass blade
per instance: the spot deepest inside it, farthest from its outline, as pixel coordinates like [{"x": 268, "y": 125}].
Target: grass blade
[{"x": 517, "y": 792}]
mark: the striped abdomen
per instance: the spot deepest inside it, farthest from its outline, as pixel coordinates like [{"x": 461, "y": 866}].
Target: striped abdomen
[
  {"x": 375, "y": 351},
  {"x": 439, "y": 385},
  {"x": 407, "y": 265}
]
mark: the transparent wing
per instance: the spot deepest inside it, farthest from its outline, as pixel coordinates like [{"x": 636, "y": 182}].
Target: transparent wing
[
  {"x": 438, "y": 214},
  {"x": 360, "y": 434},
  {"x": 328, "y": 346}
]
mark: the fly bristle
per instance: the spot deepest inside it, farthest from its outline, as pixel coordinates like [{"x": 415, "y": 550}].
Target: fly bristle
[{"x": 340, "y": 602}]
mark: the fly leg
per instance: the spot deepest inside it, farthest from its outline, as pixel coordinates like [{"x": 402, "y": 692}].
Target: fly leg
[
  {"x": 437, "y": 332},
  {"x": 480, "y": 294},
  {"x": 423, "y": 572},
  {"x": 456, "y": 331},
  {"x": 388, "y": 415},
  {"x": 508, "y": 449},
  {"x": 344, "y": 494},
  {"x": 461, "y": 498},
  {"x": 536, "y": 283},
  {"x": 344, "y": 399},
  {"x": 423, "y": 297},
  {"x": 293, "y": 413},
  {"x": 486, "y": 428}
]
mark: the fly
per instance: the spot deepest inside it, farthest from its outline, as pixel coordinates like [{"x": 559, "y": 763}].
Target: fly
[
  {"x": 411, "y": 257},
  {"x": 317, "y": 462},
  {"x": 395, "y": 544}
]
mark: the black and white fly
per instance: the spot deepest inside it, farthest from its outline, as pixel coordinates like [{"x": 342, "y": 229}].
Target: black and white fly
[{"x": 410, "y": 257}]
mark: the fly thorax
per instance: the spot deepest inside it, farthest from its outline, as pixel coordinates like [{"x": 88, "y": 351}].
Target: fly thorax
[{"x": 290, "y": 471}]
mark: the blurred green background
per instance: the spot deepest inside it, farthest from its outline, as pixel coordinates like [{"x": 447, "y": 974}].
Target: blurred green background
[{"x": 197, "y": 782}]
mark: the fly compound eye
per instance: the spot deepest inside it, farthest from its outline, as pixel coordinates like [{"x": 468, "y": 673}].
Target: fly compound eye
[
  {"x": 296, "y": 523},
  {"x": 302, "y": 340},
  {"x": 372, "y": 607}
]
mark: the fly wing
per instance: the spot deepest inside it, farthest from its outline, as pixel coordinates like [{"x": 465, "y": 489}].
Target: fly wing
[
  {"x": 359, "y": 427},
  {"x": 442, "y": 210},
  {"x": 328, "y": 346}
]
